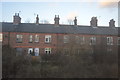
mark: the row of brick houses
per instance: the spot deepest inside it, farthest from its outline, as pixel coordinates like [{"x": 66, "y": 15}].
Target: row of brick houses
[{"x": 50, "y": 38}]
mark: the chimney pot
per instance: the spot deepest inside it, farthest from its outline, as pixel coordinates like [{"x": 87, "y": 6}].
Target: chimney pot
[
  {"x": 112, "y": 23},
  {"x": 56, "y": 19},
  {"x": 16, "y": 19},
  {"x": 93, "y": 22},
  {"x": 75, "y": 21},
  {"x": 37, "y": 19}
]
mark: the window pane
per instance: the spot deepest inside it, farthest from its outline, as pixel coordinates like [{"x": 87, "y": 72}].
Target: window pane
[
  {"x": 109, "y": 40},
  {"x": 30, "y": 38},
  {"x": 30, "y": 50},
  {"x": 36, "y": 50},
  {"x": 47, "y": 38},
  {"x": 19, "y": 51},
  {"x": 81, "y": 40},
  {"x": 47, "y": 50},
  {"x": 1, "y": 37},
  {"x": 118, "y": 40},
  {"x": 19, "y": 38},
  {"x": 77, "y": 39},
  {"x": 36, "y": 38},
  {"x": 66, "y": 38}
]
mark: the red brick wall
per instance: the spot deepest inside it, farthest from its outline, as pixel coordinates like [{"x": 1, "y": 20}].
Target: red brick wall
[{"x": 56, "y": 42}]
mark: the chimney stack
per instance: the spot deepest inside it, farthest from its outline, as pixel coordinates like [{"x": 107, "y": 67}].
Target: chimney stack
[
  {"x": 56, "y": 19},
  {"x": 75, "y": 21},
  {"x": 112, "y": 23},
  {"x": 37, "y": 19},
  {"x": 93, "y": 22},
  {"x": 16, "y": 19}
]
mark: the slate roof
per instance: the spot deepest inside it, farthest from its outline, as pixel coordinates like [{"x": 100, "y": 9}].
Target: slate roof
[{"x": 51, "y": 28}]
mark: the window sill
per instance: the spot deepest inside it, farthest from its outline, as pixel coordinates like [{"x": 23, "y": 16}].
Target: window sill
[
  {"x": 47, "y": 42},
  {"x": 18, "y": 42},
  {"x": 65, "y": 42},
  {"x": 36, "y": 42},
  {"x": 109, "y": 44},
  {"x": 92, "y": 44}
]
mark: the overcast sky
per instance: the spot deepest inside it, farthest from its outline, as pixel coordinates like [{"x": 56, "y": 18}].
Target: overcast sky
[{"x": 104, "y": 10}]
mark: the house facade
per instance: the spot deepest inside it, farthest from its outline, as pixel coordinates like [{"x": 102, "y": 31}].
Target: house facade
[{"x": 51, "y": 38}]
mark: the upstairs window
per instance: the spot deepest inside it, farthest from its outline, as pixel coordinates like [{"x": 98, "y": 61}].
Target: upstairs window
[
  {"x": 19, "y": 38},
  {"x": 48, "y": 50},
  {"x": 1, "y": 37},
  {"x": 36, "y": 38},
  {"x": 118, "y": 40},
  {"x": 109, "y": 40},
  {"x": 66, "y": 38},
  {"x": 30, "y": 38},
  {"x": 77, "y": 39},
  {"x": 82, "y": 40},
  {"x": 47, "y": 38},
  {"x": 92, "y": 40}
]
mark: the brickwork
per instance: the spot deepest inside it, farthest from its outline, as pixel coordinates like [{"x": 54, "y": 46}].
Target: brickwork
[{"x": 57, "y": 41}]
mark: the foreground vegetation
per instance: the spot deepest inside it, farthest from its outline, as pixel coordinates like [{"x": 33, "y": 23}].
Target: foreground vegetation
[{"x": 82, "y": 65}]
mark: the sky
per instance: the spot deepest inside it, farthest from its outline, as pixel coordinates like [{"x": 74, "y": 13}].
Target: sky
[{"x": 84, "y": 10}]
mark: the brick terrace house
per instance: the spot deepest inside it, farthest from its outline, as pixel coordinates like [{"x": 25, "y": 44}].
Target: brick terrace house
[{"x": 49, "y": 38}]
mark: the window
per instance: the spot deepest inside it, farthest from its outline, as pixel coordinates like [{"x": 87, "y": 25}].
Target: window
[
  {"x": 92, "y": 40},
  {"x": 109, "y": 40},
  {"x": 36, "y": 38},
  {"x": 109, "y": 49},
  {"x": 66, "y": 51},
  {"x": 82, "y": 40},
  {"x": 48, "y": 50},
  {"x": 30, "y": 38},
  {"x": 66, "y": 38},
  {"x": 77, "y": 39},
  {"x": 19, "y": 38},
  {"x": 47, "y": 38},
  {"x": 30, "y": 51},
  {"x": 118, "y": 40},
  {"x": 19, "y": 51},
  {"x": 1, "y": 37},
  {"x": 78, "y": 51},
  {"x": 36, "y": 50}
]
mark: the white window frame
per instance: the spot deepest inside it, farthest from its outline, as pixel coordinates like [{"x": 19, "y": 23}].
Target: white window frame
[
  {"x": 92, "y": 40},
  {"x": 118, "y": 41},
  {"x": 66, "y": 39},
  {"x": 109, "y": 40},
  {"x": 48, "y": 38},
  {"x": 36, "y": 51},
  {"x": 77, "y": 38},
  {"x": 29, "y": 50},
  {"x": 82, "y": 40},
  {"x": 19, "y": 38},
  {"x": 30, "y": 38},
  {"x": 1, "y": 37},
  {"x": 48, "y": 50},
  {"x": 36, "y": 38}
]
